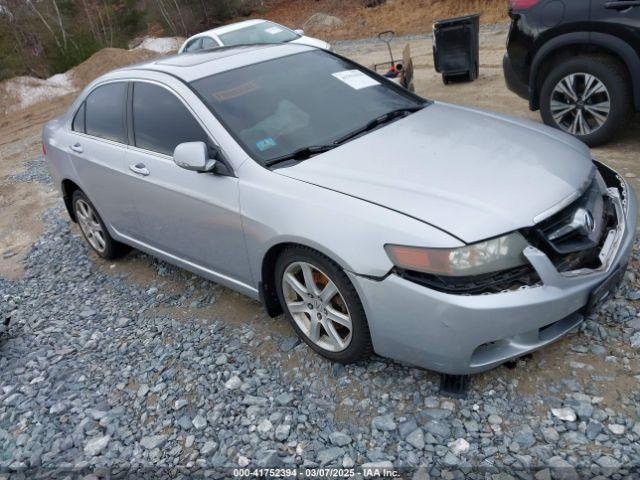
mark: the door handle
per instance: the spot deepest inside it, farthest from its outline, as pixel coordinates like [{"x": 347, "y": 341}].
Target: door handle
[
  {"x": 139, "y": 168},
  {"x": 622, "y": 4},
  {"x": 76, "y": 147}
]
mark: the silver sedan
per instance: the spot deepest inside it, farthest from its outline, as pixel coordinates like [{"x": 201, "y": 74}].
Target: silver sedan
[{"x": 376, "y": 220}]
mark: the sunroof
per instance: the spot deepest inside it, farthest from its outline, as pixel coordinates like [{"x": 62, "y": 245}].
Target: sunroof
[{"x": 198, "y": 58}]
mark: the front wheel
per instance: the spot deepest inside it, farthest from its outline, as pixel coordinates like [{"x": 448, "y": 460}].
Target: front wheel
[
  {"x": 322, "y": 305},
  {"x": 588, "y": 97}
]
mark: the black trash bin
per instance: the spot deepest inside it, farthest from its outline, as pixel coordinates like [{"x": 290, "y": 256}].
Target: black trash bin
[{"x": 456, "y": 48}]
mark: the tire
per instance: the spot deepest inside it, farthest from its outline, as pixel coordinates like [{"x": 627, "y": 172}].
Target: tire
[
  {"x": 356, "y": 345},
  {"x": 93, "y": 228},
  {"x": 615, "y": 79}
]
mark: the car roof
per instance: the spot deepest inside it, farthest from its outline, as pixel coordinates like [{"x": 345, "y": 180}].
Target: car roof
[{"x": 193, "y": 66}]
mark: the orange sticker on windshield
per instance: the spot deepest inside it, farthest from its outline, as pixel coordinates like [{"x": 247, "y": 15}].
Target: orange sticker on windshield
[{"x": 238, "y": 91}]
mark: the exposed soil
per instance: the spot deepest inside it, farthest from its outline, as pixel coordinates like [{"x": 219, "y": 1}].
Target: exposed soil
[{"x": 360, "y": 21}]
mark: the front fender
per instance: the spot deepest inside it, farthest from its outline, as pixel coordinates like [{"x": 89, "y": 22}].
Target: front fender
[{"x": 352, "y": 232}]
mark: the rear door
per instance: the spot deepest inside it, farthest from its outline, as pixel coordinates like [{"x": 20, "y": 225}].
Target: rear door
[
  {"x": 97, "y": 149},
  {"x": 617, "y": 17},
  {"x": 192, "y": 216}
]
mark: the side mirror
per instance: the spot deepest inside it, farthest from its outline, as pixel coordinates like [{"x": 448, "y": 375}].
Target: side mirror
[
  {"x": 194, "y": 156},
  {"x": 299, "y": 31}
]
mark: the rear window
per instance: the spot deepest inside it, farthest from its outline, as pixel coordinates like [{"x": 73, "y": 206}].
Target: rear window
[
  {"x": 263, "y": 32},
  {"x": 105, "y": 112}
]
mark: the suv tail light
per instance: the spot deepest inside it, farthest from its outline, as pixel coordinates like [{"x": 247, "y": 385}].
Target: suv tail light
[
  {"x": 44, "y": 150},
  {"x": 522, "y": 4}
]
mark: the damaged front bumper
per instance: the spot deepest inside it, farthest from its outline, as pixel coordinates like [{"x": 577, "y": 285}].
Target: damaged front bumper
[{"x": 462, "y": 334}]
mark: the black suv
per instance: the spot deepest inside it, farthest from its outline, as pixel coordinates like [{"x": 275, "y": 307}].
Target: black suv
[{"x": 578, "y": 61}]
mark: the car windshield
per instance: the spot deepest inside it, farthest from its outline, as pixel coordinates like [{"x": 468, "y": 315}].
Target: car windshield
[
  {"x": 313, "y": 98},
  {"x": 263, "y": 32}
]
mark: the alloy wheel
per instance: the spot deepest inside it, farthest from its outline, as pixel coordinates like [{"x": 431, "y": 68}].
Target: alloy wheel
[
  {"x": 317, "y": 306},
  {"x": 580, "y": 104},
  {"x": 90, "y": 225}
]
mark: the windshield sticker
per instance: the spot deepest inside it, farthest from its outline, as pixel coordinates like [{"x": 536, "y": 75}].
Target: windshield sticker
[
  {"x": 237, "y": 91},
  {"x": 266, "y": 144},
  {"x": 273, "y": 30},
  {"x": 356, "y": 79}
]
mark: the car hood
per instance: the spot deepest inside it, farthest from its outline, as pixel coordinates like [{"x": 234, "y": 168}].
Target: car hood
[
  {"x": 473, "y": 174},
  {"x": 312, "y": 42}
]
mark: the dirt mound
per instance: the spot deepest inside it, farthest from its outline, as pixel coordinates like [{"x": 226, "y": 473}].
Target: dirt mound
[
  {"x": 23, "y": 92},
  {"x": 106, "y": 60}
]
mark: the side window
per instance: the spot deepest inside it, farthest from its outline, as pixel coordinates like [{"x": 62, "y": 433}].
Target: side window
[
  {"x": 208, "y": 42},
  {"x": 161, "y": 121},
  {"x": 104, "y": 112},
  {"x": 78, "y": 120},
  {"x": 193, "y": 45}
]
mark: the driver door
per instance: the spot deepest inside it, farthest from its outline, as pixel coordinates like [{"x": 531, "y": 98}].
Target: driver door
[{"x": 191, "y": 216}]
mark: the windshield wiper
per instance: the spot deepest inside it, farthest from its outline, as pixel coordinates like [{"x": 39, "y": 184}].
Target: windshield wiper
[
  {"x": 376, "y": 122},
  {"x": 300, "y": 154}
]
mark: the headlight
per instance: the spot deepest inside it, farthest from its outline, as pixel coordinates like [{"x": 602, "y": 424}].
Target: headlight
[{"x": 501, "y": 253}]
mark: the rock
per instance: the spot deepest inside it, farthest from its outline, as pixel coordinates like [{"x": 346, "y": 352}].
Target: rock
[
  {"x": 565, "y": 414},
  {"x": 339, "y": 439},
  {"x": 284, "y": 399},
  {"x": 153, "y": 441},
  {"x": 495, "y": 419},
  {"x": 329, "y": 454},
  {"x": 524, "y": 436},
  {"x": 459, "y": 447},
  {"x": 450, "y": 460},
  {"x": 199, "y": 422},
  {"x": 608, "y": 462},
  {"x": 208, "y": 448},
  {"x": 95, "y": 446},
  {"x": 57, "y": 408},
  {"x": 264, "y": 428},
  {"x": 634, "y": 340},
  {"x": 282, "y": 432},
  {"x": 561, "y": 469},
  {"x": 243, "y": 461},
  {"x": 416, "y": 439},
  {"x": 179, "y": 404},
  {"x": 384, "y": 423},
  {"x": 616, "y": 429},
  {"x": 233, "y": 383},
  {"x": 550, "y": 435},
  {"x": 320, "y": 21}
]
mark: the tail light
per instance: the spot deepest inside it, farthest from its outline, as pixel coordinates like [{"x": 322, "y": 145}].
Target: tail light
[
  {"x": 522, "y": 4},
  {"x": 44, "y": 150}
]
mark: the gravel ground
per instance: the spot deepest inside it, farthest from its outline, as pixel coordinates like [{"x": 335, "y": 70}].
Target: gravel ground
[{"x": 97, "y": 373}]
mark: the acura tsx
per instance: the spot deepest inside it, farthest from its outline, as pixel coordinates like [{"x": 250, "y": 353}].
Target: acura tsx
[{"x": 376, "y": 220}]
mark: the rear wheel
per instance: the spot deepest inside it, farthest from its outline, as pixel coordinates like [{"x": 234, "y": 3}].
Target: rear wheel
[
  {"x": 322, "y": 305},
  {"x": 93, "y": 228},
  {"x": 588, "y": 97}
]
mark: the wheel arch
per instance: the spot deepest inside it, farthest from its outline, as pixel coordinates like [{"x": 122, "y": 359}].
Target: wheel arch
[
  {"x": 68, "y": 187},
  {"x": 266, "y": 285},
  {"x": 571, "y": 44}
]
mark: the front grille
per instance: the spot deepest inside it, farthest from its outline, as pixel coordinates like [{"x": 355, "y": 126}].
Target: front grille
[
  {"x": 577, "y": 227},
  {"x": 496, "y": 282},
  {"x": 566, "y": 239}
]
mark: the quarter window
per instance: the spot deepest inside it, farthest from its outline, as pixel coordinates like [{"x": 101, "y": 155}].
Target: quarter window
[
  {"x": 161, "y": 121},
  {"x": 193, "y": 45},
  {"x": 104, "y": 112},
  {"x": 78, "y": 120},
  {"x": 208, "y": 43}
]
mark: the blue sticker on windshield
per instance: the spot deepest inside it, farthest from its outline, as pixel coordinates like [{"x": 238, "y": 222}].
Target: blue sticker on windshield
[{"x": 266, "y": 144}]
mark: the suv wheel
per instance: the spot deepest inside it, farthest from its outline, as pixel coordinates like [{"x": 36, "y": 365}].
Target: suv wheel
[
  {"x": 93, "y": 229},
  {"x": 588, "y": 97},
  {"x": 322, "y": 305}
]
